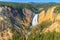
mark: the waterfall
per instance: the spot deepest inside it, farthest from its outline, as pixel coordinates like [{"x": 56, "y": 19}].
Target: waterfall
[{"x": 35, "y": 20}]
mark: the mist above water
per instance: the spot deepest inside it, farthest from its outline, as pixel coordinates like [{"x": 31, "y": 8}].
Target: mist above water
[{"x": 35, "y": 21}]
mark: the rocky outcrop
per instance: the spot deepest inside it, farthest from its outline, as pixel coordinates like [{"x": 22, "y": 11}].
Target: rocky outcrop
[
  {"x": 23, "y": 18},
  {"x": 29, "y": 16},
  {"x": 41, "y": 16},
  {"x": 54, "y": 27},
  {"x": 49, "y": 15},
  {"x": 5, "y": 27},
  {"x": 57, "y": 17}
]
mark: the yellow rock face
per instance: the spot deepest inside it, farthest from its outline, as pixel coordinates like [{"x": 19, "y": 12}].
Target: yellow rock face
[
  {"x": 58, "y": 17},
  {"x": 0, "y": 9},
  {"x": 41, "y": 17},
  {"x": 49, "y": 15},
  {"x": 28, "y": 15},
  {"x": 6, "y": 35}
]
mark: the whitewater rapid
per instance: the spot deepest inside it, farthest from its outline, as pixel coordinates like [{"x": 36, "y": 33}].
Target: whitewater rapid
[{"x": 35, "y": 20}]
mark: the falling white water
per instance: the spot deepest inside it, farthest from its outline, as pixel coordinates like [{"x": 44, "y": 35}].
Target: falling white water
[{"x": 35, "y": 21}]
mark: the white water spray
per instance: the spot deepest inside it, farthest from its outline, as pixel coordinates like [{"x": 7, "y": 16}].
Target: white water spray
[{"x": 35, "y": 20}]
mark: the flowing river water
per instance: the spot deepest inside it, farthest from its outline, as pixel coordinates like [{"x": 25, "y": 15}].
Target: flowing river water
[{"x": 35, "y": 20}]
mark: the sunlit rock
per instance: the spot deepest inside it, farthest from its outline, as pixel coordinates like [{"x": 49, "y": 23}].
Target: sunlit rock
[
  {"x": 1, "y": 18},
  {"x": 50, "y": 14},
  {"x": 41, "y": 16},
  {"x": 57, "y": 17},
  {"x": 29, "y": 16},
  {"x": 0, "y": 9},
  {"x": 54, "y": 27}
]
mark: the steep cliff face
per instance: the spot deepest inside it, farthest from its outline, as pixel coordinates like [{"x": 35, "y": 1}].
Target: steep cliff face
[
  {"x": 41, "y": 16},
  {"x": 5, "y": 26},
  {"x": 49, "y": 15},
  {"x": 29, "y": 16},
  {"x": 57, "y": 17},
  {"x": 11, "y": 18},
  {"x": 25, "y": 18}
]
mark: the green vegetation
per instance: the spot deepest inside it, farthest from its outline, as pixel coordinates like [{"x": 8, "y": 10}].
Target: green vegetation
[
  {"x": 46, "y": 36},
  {"x": 35, "y": 32},
  {"x": 32, "y": 6},
  {"x": 17, "y": 37},
  {"x": 57, "y": 10}
]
